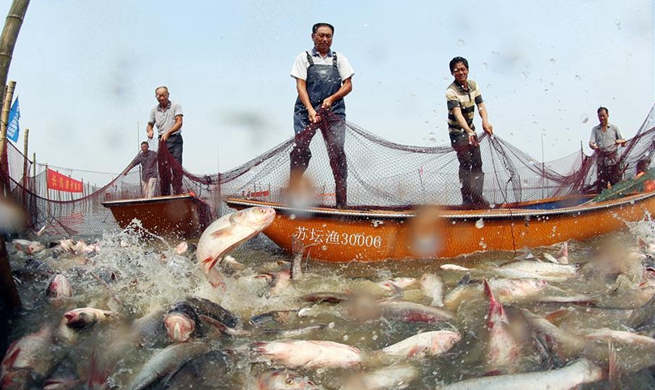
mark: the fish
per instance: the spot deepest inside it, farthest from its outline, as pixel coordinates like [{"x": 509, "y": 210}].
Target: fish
[
  {"x": 230, "y": 265},
  {"x": 213, "y": 310},
  {"x": 227, "y": 233},
  {"x": 504, "y": 290},
  {"x": 210, "y": 370},
  {"x": 502, "y": 350},
  {"x": 280, "y": 283},
  {"x": 397, "y": 284},
  {"x": 166, "y": 361},
  {"x": 283, "y": 380},
  {"x": 565, "y": 345},
  {"x": 433, "y": 286},
  {"x": 542, "y": 269},
  {"x": 521, "y": 269},
  {"x": 398, "y": 376},
  {"x": 580, "y": 372},
  {"x": 181, "y": 322},
  {"x": 59, "y": 288},
  {"x": 27, "y": 247},
  {"x": 30, "y": 359},
  {"x": 413, "y": 312},
  {"x": 424, "y": 344},
  {"x": 327, "y": 297},
  {"x": 307, "y": 353},
  {"x": 87, "y": 316},
  {"x": 622, "y": 337},
  {"x": 288, "y": 333},
  {"x": 149, "y": 331},
  {"x": 275, "y": 317}
]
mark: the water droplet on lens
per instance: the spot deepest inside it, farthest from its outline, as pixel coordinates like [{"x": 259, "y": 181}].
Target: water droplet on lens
[
  {"x": 292, "y": 216},
  {"x": 584, "y": 118},
  {"x": 577, "y": 77},
  {"x": 552, "y": 61},
  {"x": 460, "y": 42},
  {"x": 479, "y": 223}
]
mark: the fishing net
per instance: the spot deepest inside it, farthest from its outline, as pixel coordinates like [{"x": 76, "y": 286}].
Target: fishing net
[{"x": 380, "y": 174}]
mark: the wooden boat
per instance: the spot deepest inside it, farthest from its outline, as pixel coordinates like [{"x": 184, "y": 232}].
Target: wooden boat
[
  {"x": 184, "y": 216},
  {"x": 441, "y": 233}
]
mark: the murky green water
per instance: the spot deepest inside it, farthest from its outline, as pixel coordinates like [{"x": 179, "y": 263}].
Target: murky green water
[{"x": 134, "y": 278}]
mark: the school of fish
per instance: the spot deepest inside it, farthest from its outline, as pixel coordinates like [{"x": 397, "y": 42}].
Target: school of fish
[{"x": 123, "y": 314}]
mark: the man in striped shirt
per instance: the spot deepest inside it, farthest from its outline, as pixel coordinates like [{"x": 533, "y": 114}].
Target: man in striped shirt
[{"x": 462, "y": 96}]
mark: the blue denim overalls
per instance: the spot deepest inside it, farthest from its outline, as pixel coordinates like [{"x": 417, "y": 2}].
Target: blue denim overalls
[{"x": 322, "y": 82}]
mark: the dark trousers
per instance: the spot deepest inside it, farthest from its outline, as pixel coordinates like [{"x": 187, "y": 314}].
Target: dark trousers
[
  {"x": 470, "y": 172},
  {"x": 168, "y": 168},
  {"x": 334, "y": 138},
  {"x": 607, "y": 174}
]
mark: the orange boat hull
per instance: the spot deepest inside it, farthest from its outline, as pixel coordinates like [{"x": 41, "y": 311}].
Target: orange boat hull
[
  {"x": 429, "y": 233},
  {"x": 179, "y": 216}
]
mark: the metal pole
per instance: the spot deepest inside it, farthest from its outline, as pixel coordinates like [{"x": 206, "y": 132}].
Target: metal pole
[
  {"x": 543, "y": 167},
  {"x": 25, "y": 168}
]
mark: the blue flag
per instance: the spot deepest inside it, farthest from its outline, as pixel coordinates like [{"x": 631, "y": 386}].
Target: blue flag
[{"x": 12, "y": 125}]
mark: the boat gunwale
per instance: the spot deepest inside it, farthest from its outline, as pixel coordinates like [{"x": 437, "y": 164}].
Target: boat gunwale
[
  {"x": 499, "y": 213},
  {"x": 153, "y": 200}
]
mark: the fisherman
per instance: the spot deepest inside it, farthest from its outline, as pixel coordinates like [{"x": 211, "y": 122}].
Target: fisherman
[
  {"x": 167, "y": 116},
  {"x": 462, "y": 95},
  {"x": 323, "y": 78},
  {"x": 148, "y": 160},
  {"x": 605, "y": 140},
  {"x": 642, "y": 167}
]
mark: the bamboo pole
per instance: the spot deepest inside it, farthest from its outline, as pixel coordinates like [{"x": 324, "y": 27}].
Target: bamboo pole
[
  {"x": 8, "y": 39},
  {"x": 4, "y": 117}
]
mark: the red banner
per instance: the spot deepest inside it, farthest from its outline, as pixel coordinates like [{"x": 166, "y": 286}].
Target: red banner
[{"x": 57, "y": 181}]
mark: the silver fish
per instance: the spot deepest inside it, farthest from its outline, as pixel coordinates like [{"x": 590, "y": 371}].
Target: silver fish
[
  {"x": 283, "y": 380},
  {"x": 580, "y": 372},
  {"x": 307, "y": 353},
  {"x": 428, "y": 343},
  {"x": 227, "y": 233},
  {"x": 397, "y": 376},
  {"x": 164, "y": 362},
  {"x": 433, "y": 286}
]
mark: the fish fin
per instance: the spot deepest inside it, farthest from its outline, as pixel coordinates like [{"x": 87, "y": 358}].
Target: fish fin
[
  {"x": 209, "y": 263},
  {"x": 526, "y": 255},
  {"x": 466, "y": 279},
  {"x": 612, "y": 368},
  {"x": 215, "y": 278},
  {"x": 563, "y": 255},
  {"x": 555, "y": 316},
  {"x": 415, "y": 350},
  {"x": 222, "y": 232},
  {"x": 550, "y": 258},
  {"x": 221, "y": 327},
  {"x": 98, "y": 376},
  {"x": 488, "y": 291},
  {"x": 9, "y": 360}
]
